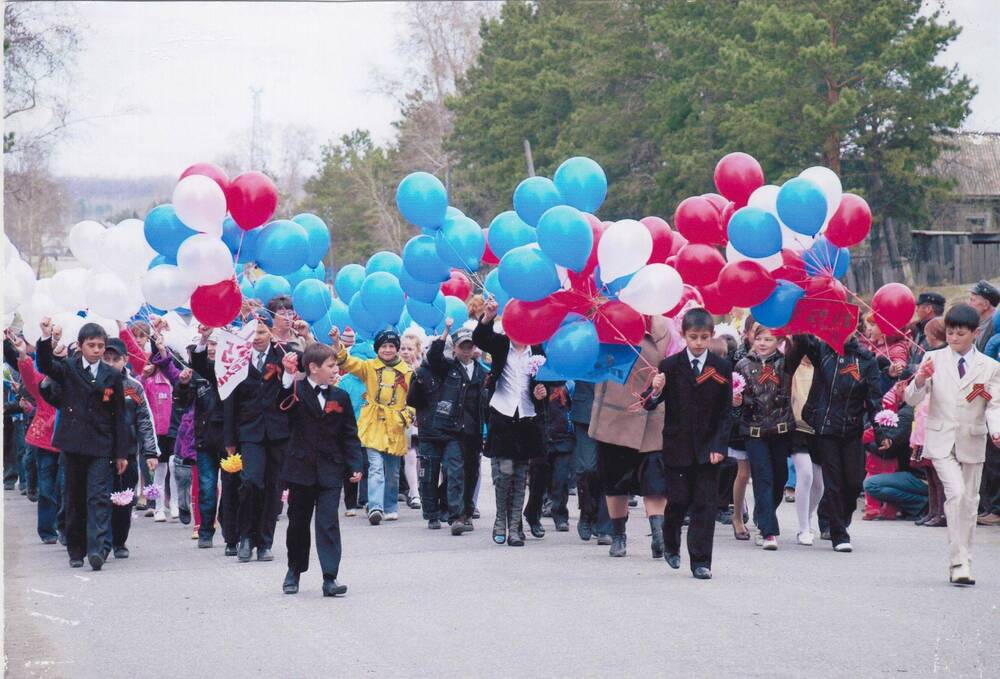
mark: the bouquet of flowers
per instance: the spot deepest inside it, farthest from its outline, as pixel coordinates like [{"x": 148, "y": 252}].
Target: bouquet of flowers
[
  {"x": 534, "y": 363},
  {"x": 739, "y": 384},
  {"x": 232, "y": 463},
  {"x": 123, "y": 498},
  {"x": 887, "y": 418},
  {"x": 152, "y": 492}
]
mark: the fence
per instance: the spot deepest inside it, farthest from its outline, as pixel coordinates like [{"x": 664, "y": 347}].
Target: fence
[{"x": 974, "y": 261}]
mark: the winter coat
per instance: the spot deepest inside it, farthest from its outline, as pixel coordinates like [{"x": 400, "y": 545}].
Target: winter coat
[
  {"x": 43, "y": 424},
  {"x": 454, "y": 402},
  {"x": 385, "y": 416},
  {"x": 160, "y": 392},
  {"x": 139, "y": 419},
  {"x": 559, "y": 434},
  {"x": 767, "y": 402}
]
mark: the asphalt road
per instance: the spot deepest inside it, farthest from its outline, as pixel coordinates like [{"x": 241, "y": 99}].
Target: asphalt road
[{"x": 424, "y": 603}]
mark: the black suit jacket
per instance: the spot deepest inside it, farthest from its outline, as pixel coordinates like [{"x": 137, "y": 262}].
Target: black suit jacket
[
  {"x": 324, "y": 440},
  {"x": 251, "y": 411},
  {"x": 92, "y": 411},
  {"x": 697, "y": 415}
]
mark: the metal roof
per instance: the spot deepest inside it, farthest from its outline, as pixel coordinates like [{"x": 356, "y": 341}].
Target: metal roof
[{"x": 974, "y": 163}]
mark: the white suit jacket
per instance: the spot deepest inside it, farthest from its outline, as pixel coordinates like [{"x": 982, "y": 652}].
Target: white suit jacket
[{"x": 962, "y": 411}]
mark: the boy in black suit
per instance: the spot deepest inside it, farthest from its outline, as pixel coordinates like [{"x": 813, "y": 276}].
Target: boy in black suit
[
  {"x": 696, "y": 387},
  {"x": 324, "y": 450},
  {"x": 91, "y": 430}
]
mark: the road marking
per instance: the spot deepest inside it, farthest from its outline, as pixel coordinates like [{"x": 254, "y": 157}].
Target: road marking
[
  {"x": 54, "y": 618},
  {"x": 41, "y": 591},
  {"x": 82, "y": 577},
  {"x": 46, "y": 663}
]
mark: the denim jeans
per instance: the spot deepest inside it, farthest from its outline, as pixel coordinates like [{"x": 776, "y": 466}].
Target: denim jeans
[
  {"x": 790, "y": 483},
  {"x": 27, "y": 474},
  {"x": 447, "y": 502},
  {"x": 209, "y": 498},
  {"x": 383, "y": 481},
  {"x": 50, "y": 480},
  {"x": 768, "y": 457},
  {"x": 902, "y": 489}
]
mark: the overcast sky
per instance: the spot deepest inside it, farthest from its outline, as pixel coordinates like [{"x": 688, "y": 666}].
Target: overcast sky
[{"x": 162, "y": 85}]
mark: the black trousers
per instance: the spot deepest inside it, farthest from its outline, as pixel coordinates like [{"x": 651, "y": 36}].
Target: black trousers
[
  {"x": 472, "y": 454},
  {"x": 209, "y": 499},
  {"x": 693, "y": 488},
  {"x": 989, "y": 487},
  {"x": 260, "y": 491},
  {"x": 843, "y": 462},
  {"x": 88, "y": 503},
  {"x": 10, "y": 461},
  {"x": 549, "y": 476},
  {"x": 302, "y": 501},
  {"x": 121, "y": 515}
]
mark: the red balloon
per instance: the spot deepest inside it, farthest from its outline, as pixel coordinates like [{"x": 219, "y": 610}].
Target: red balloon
[
  {"x": 745, "y": 283},
  {"x": 532, "y": 322},
  {"x": 738, "y": 175},
  {"x": 715, "y": 199},
  {"x": 727, "y": 214},
  {"x": 597, "y": 228},
  {"x": 663, "y": 239},
  {"x": 715, "y": 302},
  {"x": 457, "y": 286},
  {"x": 698, "y": 221},
  {"x": 851, "y": 223},
  {"x": 488, "y": 256},
  {"x": 672, "y": 261},
  {"x": 793, "y": 268},
  {"x": 218, "y": 304},
  {"x": 893, "y": 305},
  {"x": 690, "y": 292},
  {"x": 825, "y": 287},
  {"x": 212, "y": 172},
  {"x": 699, "y": 264},
  {"x": 252, "y": 199},
  {"x": 677, "y": 244},
  {"x": 618, "y": 323},
  {"x": 573, "y": 301}
]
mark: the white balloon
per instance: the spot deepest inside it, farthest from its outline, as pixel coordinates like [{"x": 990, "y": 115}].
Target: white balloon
[
  {"x": 21, "y": 271},
  {"x": 765, "y": 198},
  {"x": 107, "y": 295},
  {"x": 70, "y": 325},
  {"x": 85, "y": 240},
  {"x": 623, "y": 249},
  {"x": 829, "y": 183},
  {"x": 8, "y": 319},
  {"x": 33, "y": 311},
  {"x": 69, "y": 289},
  {"x": 166, "y": 286},
  {"x": 653, "y": 290},
  {"x": 770, "y": 263},
  {"x": 797, "y": 242},
  {"x": 200, "y": 203},
  {"x": 125, "y": 250},
  {"x": 43, "y": 286},
  {"x": 13, "y": 295},
  {"x": 109, "y": 325},
  {"x": 205, "y": 259},
  {"x": 137, "y": 229}
]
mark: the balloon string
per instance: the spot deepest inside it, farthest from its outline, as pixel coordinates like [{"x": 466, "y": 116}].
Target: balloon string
[
  {"x": 239, "y": 248},
  {"x": 475, "y": 275},
  {"x": 867, "y": 306}
]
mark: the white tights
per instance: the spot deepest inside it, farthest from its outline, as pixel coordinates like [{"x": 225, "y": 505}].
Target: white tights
[
  {"x": 159, "y": 480},
  {"x": 410, "y": 470},
  {"x": 808, "y": 489}
]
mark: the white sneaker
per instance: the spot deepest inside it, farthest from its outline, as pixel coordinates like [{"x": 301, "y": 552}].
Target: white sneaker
[
  {"x": 771, "y": 543},
  {"x": 758, "y": 540},
  {"x": 843, "y": 547},
  {"x": 392, "y": 516},
  {"x": 351, "y": 512},
  {"x": 175, "y": 513},
  {"x": 806, "y": 538},
  {"x": 159, "y": 516}
]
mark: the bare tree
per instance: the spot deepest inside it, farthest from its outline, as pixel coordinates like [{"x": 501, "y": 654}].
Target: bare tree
[{"x": 35, "y": 205}]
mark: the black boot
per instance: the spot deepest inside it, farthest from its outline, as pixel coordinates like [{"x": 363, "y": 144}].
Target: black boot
[
  {"x": 656, "y": 528},
  {"x": 515, "y": 506},
  {"x": 291, "y": 584},
  {"x": 501, "y": 484},
  {"x": 618, "y": 537},
  {"x": 245, "y": 550}
]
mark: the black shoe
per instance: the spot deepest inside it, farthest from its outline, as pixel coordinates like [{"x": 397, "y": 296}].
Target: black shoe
[
  {"x": 185, "y": 516},
  {"x": 617, "y": 545},
  {"x": 702, "y": 573},
  {"x": 73, "y": 563},
  {"x": 469, "y": 526},
  {"x": 562, "y": 526},
  {"x": 10, "y": 486},
  {"x": 121, "y": 552},
  {"x": 96, "y": 561},
  {"x": 434, "y": 524},
  {"x": 375, "y": 517},
  {"x": 244, "y": 551},
  {"x": 537, "y": 530},
  {"x": 49, "y": 541},
  {"x": 24, "y": 491},
  {"x": 674, "y": 561},
  {"x": 458, "y": 527},
  {"x": 604, "y": 539},
  {"x": 32, "y": 497},
  {"x": 264, "y": 554},
  {"x": 231, "y": 550},
  {"x": 724, "y": 517},
  {"x": 825, "y": 535},
  {"x": 291, "y": 583},
  {"x": 584, "y": 529},
  {"x": 204, "y": 542},
  {"x": 547, "y": 509},
  {"x": 61, "y": 537},
  {"x": 333, "y": 588},
  {"x": 499, "y": 534},
  {"x": 475, "y": 514},
  {"x": 515, "y": 539}
]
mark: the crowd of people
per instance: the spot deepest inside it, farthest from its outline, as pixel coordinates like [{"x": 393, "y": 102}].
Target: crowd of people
[{"x": 100, "y": 431}]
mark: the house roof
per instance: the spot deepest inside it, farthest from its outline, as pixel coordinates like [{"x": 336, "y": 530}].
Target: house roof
[{"x": 974, "y": 163}]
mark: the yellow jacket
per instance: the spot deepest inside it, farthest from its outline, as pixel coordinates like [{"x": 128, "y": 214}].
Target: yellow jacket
[{"x": 385, "y": 415}]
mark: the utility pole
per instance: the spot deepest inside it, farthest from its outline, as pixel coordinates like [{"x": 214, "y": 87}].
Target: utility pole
[
  {"x": 255, "y": 129},
  {"x": 528, "y": 158}
]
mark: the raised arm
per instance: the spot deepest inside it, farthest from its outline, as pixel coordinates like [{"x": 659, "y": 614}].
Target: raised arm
[
  {"x": 136, "y": 356},
  {"x": 56, "y": 369}
]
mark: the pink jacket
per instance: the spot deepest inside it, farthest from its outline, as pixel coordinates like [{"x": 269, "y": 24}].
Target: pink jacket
[
  {"x": 43, "y": 424},
  {"x": 160, "y": 395}
]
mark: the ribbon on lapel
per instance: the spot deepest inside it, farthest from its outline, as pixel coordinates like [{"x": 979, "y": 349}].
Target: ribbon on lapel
[
  {"x": 270, "y": 370},
  {"x": 711, "y": 374},
  {"x": 108, "y": 393},
  {"x": 333, "y": 407},
  {"x": 979, "y": 391},
  {"x": 852, "y": 370},
  {"x": 768, "y": 375},
  {"x": 131, "y": 393}
]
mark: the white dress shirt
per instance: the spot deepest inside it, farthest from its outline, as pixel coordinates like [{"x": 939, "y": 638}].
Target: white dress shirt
[
  {"x": 969, "y": 357},
  {"x": 92, "y": 367},
  {"x": 255, "y": 358},
  {"x": 512, "y": 391},
  {"x": 701, "y": 360}
]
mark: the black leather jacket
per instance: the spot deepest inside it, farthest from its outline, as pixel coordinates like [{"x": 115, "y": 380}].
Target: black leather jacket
[
  {"x": 767, "y": 403},
  {"x": 450, "y": 402}
]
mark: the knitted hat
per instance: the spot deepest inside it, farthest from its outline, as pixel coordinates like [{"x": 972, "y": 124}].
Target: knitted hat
[{"x": 386, "y": 336}]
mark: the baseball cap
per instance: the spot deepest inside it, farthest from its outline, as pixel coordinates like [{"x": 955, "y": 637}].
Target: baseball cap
[
  {"x": 461, "y": 335},
  {"x": 116, "y": 345}
]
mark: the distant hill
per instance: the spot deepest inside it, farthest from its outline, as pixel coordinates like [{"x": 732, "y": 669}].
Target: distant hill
[{"x": 111, "y": 200}]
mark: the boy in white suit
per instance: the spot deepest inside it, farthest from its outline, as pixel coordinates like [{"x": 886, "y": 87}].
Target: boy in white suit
[{"x": 964, "y": 388}]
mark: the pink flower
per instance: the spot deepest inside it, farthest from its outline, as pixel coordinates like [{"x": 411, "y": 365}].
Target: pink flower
[
  {"x": 123, "y": 498},
  {"x": 152, "y": 492},
  {"x": 739, "y": 384},
  {"x": 534, "y": 363},
  {"x": 887, "y": 418}
]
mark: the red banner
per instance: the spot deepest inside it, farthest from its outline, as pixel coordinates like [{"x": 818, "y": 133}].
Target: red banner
[{"x": 832, "y": 321}]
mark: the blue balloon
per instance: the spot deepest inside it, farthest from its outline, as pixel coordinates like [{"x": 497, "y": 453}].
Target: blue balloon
[
  {"x": 802, "y": 206},
  {"x": 427, "y": 316},
  {"x": 533, "y": 197},
  {"x": 282, "y": 248},
  {"x": 382, "y": 297},
  {"x": 582, "y": 183},
  {"x": 239, "y": 241},
  {"x": 508, "y": 231},
  {"x": 777, "y": 309},
  {"x": 310, "y": 299},
  {"x": 528, "y": 274},
  {"x": 348, "y": 281},
  {"x": 318, "y": 234},
  {"x": 269, "y": 287},
  {"x": 612, "y": 288},
  {"x": 826, "y": 258},
  {"x": 492, "y": 285},
  {"x": 573, "y": 349},
  {"x": 564, "y": 234},
  {"x": 456, "y": 310},
  {"x": 246, "y": 289},
  {"x": 452, "y": 212},
  {"x": 422, "y": 199},
  {"x": 361, "y": 318},
  {"x": 460, "y": 243},
  {"x": 418, "y": 290},
  {"x": 755, "y": 233},
  {"x": 337, "y": 316},
  {"x": 304, "y": 273},
  {"x": 421, "y": 260},
  {"x": 384, "y": 261},
  {"x": 405, "y": 321},
  {"x": 161, "y": 259},
  {"x": 319, "y": 272},
  {"x": 164, "y": 231}
]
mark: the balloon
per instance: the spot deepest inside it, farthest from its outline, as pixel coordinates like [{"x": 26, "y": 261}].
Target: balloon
[
  {"x": 766, "y": 198},
  {"x": 533, "y": 197},
  {"x": 508, "y": 231},
  {"x": 655, "y": 288},
  {"x": 825, "y": 287},
  {"x": 582, "y": 183},
  {"x": 778, "y": 308},
  {"x": 282, "y": 247},
  {"x": 418, "y": 290},
  {"x": 662, "y": 236},
  {"x": 676, "y": 245},
  {"x": 166, "y": 286},
  {"x": 422, "y": 200},
  {"x": 755, "y": 233},
  {"x": 457, "y": 286},
  {"x": 565, "y": 235},
  {"x": 690, "y": 293},
  {"x": 456, "y": 310},
  {"x": 304, "y": 273},
  {"x": 164, "y": 231},
  {"x": 699, "y": 264},
  {"x": 714, "y": 301},
  {"x": 851, "y": 223},
  {"x": 624, "y": 248},
  {"x": 253, "y": 198},
  {"x": 361, "y": 318},
  {"x": 382, "y": 297},
  {"x": 336, "y": 316},
  {"x": 200, "y": 204},
  {"x": 893, "y": 305},
  {"x": 528, "y": 274},
  {"x": 204, "y": 258},
  {"x": 13, "y": 295},
  {"x": 737, "y": 175},
  {"x": 532, "y": 322},
  {"x": 720, "y": 202},
  {"x": 791, "y": 240},
  {"x": 218, "y": 304},
  {"x": 826, "y": 258},
  {"x": 270, "y": 286},
  {"x": 70, "y": 323},
  {"x": 427, "y": 315},
  {"x": 698, "y": 221},
  {"x": 124, "y": 249},
  {"x": 107, "y": 295},
  {"x": 460, "y": 243},
  {"x": 85, "y": 239},
  {"x": 348, "y": 281},
  {"x": 488, "y": 256},
  {"x": 452, "y": 212},
  {"x": 619, "y": 323},
  {"x": 745, "y": 283},
  {"x": 421, "y": 260},
  {"x": 20, "y": 271},
  {"x": 318, "y": 235},
  {"x": 727, "y": 214},
  {"x": 386, "y": 261},
  {"x": 829, "y": 183},
  {"x": 769, "y": 263},
  {"x": 69, "y": 288},
  {"x": 246, "y": 288},
  {"x": 493, "y": 287},
  {"x": 214, "y": 172},
  {"x": 311, "y": 299},
  {"x": 802, "y": 206},
  {"x": 109, "y": 325},
  {"x": 573, "y": 349},
  {"x": 611, "y": 288}
]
